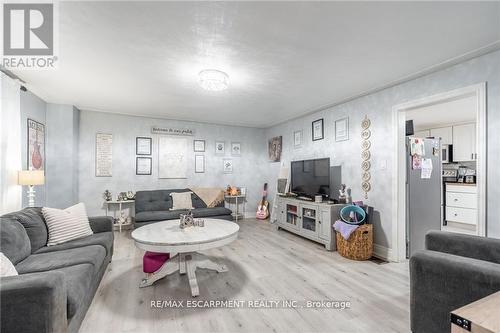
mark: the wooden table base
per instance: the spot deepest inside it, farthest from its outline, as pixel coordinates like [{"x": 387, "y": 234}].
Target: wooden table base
[{"x": 184, "y": 263}]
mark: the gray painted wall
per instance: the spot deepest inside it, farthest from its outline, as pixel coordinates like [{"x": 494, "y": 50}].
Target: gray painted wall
[
  {"x": 377, "y": 107},
  {"x": 61, "y": 175},
  {"x": 249, "y": 169},
  {"x": 32, "y": 107}
]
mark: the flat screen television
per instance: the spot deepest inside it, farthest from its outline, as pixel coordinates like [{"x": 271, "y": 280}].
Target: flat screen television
[{"x": 311, "y": 177}]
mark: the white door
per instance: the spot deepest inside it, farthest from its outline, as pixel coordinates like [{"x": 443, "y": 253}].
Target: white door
[{"x": 464, "y": 142}]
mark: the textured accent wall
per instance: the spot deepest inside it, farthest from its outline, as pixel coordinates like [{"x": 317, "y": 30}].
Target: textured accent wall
[
  {"x": 32, "y": 107},
  {"x": 378, "y": 107},
  {"x": 250, "y": 169},
  {"x": 61, "y": 175}
]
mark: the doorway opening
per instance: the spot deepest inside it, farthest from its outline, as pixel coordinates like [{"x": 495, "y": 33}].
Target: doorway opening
[{"x": 451, "y": 196}]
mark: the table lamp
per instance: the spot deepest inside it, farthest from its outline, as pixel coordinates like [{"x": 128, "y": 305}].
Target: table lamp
[{"x": 31, "y": 178}]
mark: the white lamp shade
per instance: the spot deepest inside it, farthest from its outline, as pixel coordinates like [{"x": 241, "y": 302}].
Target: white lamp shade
[{"x": 30, "y": 177}]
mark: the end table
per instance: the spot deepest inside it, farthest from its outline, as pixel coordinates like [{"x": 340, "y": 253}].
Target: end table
[{"x": 236, "y": 214}]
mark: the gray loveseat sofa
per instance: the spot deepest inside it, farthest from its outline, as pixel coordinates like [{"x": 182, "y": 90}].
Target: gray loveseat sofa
[
  {"x": 56, "y": 284},
  {"x": 453, "y": 271},
  {"x": 154, "y": 206}
]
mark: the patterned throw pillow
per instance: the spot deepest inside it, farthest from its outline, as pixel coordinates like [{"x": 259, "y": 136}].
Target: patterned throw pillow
[
  {"x": 181, "y": 200},
  {"x": 66, "y": 224}
]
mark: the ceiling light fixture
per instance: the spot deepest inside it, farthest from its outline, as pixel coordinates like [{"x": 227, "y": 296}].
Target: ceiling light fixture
[{"x": 213, "y": 80}]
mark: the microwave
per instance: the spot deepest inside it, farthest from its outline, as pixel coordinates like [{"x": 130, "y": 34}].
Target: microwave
[{"x": 446, "y": 153}]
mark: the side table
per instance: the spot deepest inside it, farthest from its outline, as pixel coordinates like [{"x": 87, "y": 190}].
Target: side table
[
  {"x": 480, "y": 316},
  {"x": 236, "y": 213},
  {"x": 120, "y": 221}
]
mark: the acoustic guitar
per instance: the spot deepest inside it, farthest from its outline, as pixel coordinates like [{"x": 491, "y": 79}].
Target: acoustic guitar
[{"x": 263, "y": 208}]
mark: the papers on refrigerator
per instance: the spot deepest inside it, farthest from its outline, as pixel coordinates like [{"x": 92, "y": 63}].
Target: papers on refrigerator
[{"x": 426, "y": 168}]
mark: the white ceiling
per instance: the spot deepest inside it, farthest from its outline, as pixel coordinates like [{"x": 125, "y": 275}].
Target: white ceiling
[
  {"x": 461, "y": 110},
  {"x": 284, "y": 59}
]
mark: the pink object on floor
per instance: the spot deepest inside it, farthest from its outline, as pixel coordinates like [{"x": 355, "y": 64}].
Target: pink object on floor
[{"x": 152, "y": 261}]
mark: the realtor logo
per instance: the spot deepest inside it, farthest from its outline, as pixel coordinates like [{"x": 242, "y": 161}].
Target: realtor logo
[
  {"x": 28, "y": 29},
  {"x": 28, "y": 36}
]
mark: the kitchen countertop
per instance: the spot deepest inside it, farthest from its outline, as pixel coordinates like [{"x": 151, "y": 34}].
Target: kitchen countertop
[{"x": 461, "y": 184}]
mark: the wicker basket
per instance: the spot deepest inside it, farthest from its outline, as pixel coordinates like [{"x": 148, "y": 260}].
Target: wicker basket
[{"x": 359, "y": 246}]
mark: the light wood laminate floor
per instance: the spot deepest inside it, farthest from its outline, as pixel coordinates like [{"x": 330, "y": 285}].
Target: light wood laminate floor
[{"x": 264, "y": 264}]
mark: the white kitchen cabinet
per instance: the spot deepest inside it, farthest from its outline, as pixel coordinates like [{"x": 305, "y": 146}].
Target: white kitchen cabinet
[
  {"x": 445, "y": 133},
  {"x": 461, "y": 208},
  {"x": 422, "y": 134},
  {"x": 464, "y": 142}
]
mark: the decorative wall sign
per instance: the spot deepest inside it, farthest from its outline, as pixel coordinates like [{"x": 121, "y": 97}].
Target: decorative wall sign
[
  {"x": 172, "y": 161},
  {"x": 318, "y": 132},
  {"x": 297, "y": 139},
  {"x": 172, "y": 131},
  {"x": 342, "y": 129},
  {"x": 104, "y": 155},
  {"x": 365, "y": 156},
  {"x": 143, "y": 145},
  {"x": 143, "y": 165},
  {"x": 199, "y": 163},
  {"x": 220, "y": 147},
  {"x": 235, "y": 148},
  {"x": 199, "y": 145},
  {"x": 36, "y": 145},
  {"x": 274, "y": 149},
  {"x": 227, "y": 165}
]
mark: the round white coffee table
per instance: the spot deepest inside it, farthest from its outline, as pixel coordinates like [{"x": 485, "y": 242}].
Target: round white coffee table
[{"x": 182, "y": 244}]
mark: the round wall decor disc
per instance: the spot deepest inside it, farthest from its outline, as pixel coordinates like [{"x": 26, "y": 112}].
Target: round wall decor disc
[
  {"x": 365, "y": 144},
  {"x": 366, "y": 176},
  {"x": 365, "y": 123},
  {"x": 365, "y": 165},
  {"x": 365, "y": 155},
  {"x": 366, "y": 186},
  {"x": 365, "y": 134}
]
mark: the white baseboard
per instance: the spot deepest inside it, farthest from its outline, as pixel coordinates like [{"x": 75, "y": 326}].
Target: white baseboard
[{"x": 383, "y": 252}]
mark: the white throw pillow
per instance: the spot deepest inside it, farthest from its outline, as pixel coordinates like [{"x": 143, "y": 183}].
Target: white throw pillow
[
  {"x": 66, "y": 224},
  {"x": 6, "y": 266},
  {"x": 181, "y": 200}
]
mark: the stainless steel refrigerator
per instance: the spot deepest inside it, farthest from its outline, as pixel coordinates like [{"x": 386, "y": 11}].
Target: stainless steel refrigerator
[{"x": 424, "y": 196}]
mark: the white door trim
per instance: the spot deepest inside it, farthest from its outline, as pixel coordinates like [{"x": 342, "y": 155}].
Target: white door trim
[{"x": 399, "y": 167}]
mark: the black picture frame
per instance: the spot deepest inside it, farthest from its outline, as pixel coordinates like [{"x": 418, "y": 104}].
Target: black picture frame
[
  {"x": 150, "y": 166},
  {"x": 199, "y": 150},
  {"x": 137, "y": 145},
  {"x": 322, "y": 129}
]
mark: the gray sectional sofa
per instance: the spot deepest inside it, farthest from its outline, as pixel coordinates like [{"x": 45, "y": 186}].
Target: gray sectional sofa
[
  {"x": 453, "y": 271},
  {"x": 154, "y": 206},
  {"x": 56, "y": 284}
]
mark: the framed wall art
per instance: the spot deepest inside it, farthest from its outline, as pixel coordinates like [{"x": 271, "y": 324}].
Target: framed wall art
[
  {"x": 143, "y": 145},
  {"x": 318, "y": 132},
  {"x": 104, "y": 155},
  {"x": 227, "y": 165},
  {"x": 36, "y": 145},
  {"x": 297, "y": 139},
  {"x": 199, "y": 163},
  {"x": 143, "y": 165},
  {"x": 235, "y": 148},
  {"x": 199, "y": 145},
  {"x": 342, "y": 129},
  {"x": 274, "y": 148},
  {"x": 220, "y": 147}
]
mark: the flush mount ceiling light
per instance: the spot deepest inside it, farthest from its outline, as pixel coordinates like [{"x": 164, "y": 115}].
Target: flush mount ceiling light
[{"x": 213, "y": 80}]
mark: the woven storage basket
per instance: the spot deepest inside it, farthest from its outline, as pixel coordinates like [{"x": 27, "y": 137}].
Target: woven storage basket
[{"x": 359, "y": 246}]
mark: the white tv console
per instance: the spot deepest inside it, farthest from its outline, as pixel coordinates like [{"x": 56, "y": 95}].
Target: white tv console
[{"x": 308, "y": 219}]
